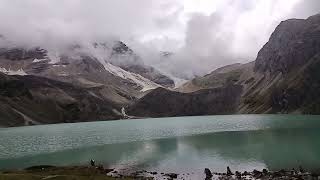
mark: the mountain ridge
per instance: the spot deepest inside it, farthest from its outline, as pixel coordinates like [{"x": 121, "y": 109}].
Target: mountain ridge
[{"x": 284, "y": 78}]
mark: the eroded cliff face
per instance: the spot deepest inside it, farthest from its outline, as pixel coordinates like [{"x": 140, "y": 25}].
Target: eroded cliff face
[
  {"x": 165, "y": 103},
  {"x": 292, "y": 45},
  {"x": 286, "y": 66}
]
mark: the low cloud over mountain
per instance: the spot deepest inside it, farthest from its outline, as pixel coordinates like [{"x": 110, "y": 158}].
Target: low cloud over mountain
[{"x": 202, "y": 35}]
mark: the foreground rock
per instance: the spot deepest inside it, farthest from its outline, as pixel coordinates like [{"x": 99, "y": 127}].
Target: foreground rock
[
  {"x": 264, "y": 174},
  {"x": 101, "y": 173},
  {"x": 208, "y": 173}
]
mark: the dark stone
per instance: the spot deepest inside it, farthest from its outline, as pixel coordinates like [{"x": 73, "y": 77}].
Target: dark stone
[
  {"x": 229, "y": 172},
  {"x": 208, "y": 173},
  {"x": 172, "y": 175},
  {"x": 238, "y": 174},
  {"x": 92, "y": 162},
  {"x": 257, "y": 174},
  {"x": 301, "y": 169},
  {"x": 265, "y": 171},
  {"x": 245, "y": 173}
]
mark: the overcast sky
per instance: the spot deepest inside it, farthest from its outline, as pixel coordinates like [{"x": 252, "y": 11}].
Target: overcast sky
[{"x": 203, "y": 34}]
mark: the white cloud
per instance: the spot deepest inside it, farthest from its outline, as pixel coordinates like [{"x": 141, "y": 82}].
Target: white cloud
[{"x": 205, "y": 34}]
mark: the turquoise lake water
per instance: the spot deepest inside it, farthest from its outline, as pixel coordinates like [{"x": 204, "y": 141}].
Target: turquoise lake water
[{"x": 184, "y": 144}]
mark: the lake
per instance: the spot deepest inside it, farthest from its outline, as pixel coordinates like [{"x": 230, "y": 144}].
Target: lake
[{"x": 181, "y": 145}]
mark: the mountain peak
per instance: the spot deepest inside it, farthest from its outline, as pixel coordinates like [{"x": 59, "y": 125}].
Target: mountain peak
[{"x": 302, "y": 36}]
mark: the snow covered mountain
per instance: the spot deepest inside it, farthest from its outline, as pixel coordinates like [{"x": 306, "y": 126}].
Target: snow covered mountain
[
  {"x": 83, "y": 78},
  {"x": 112, "y": 58}
]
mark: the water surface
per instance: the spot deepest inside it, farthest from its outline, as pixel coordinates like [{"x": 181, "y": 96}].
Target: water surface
[{"x": 185, "y": 144}]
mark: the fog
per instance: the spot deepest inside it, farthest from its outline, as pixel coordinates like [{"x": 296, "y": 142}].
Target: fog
[{"x": 201, "y": 34}]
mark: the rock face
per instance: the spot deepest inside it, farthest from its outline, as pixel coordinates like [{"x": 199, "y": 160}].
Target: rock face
[
  {"x": 122, "y": 54},
  {"x": 17, "y": 54},
  {"x": 165, "y": 103},
  {"x": 218, "y": 78},
  {"x": 292, "y": 45},
  {"x": 287, "y": 66},
  {"x": 150, "y": 73},
  {"x": 283, "y": 79},
  {"x": 28, "y": 100}
]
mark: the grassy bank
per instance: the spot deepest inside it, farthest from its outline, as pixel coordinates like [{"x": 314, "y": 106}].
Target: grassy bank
[{"x": 61, "y": 173}]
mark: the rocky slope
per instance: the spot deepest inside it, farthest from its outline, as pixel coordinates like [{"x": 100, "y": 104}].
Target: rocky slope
[
  {"x": 115, "y": 57},
  {"x": 218, "y": 78},
  {"x": 122, "y": 54},
  {"x": 284, "y": 77},
  {"x": 287, "y": 66},
  {"x": 27, "y": 100},
  {"x": 163, "y": 103},
  {"x": 82, "y": 69}
]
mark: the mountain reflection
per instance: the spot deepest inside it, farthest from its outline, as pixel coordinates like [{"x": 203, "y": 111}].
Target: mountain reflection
[{"x": 272, "y": 148}]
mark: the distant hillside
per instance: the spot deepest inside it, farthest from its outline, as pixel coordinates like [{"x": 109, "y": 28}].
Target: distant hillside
[
  {"x": 163, "y": 103},
  {"x": 284, "y": 77},
  {"x": 29, "y": 100}
]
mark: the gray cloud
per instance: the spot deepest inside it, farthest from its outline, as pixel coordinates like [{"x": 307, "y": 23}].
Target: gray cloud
[{"x": 233, "y": 32}]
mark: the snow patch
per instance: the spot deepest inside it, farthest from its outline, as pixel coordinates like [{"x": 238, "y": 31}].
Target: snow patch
[
  {"x": 10, "y": 72},
  {"x": 178, "y": 82},
  {"x": 145, "y": 83},
  {"x": 58, "y": 65},
  {"x": 54, "y": 57},
  {"x": 38, "y": 60}
]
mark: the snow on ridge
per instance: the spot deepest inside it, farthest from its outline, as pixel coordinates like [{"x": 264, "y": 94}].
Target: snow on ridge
[
  {"x": 38, "y": 60},
  {"x": 19, "y": 72},
  {"x": 178, "y": 81},
  {"x": 145, "y": 83},
  {"x": 54, "y": 57}
]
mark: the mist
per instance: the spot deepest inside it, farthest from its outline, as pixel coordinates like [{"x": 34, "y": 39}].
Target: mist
[{"x": 201, "y": 34}]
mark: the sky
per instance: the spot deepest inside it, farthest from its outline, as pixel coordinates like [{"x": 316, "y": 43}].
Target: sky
[{"x": 202, "y": 34}]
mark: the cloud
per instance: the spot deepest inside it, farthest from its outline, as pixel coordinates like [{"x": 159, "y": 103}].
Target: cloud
[
  {"x": 233, "y": 33},
  {"x": 31, "y": 22},
  {"x": 203, "y": 34}
]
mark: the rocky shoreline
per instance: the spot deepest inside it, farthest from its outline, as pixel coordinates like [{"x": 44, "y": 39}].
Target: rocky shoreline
[
  {"x": 100, "y": 173},
  {"x": 282, "y": 174}
]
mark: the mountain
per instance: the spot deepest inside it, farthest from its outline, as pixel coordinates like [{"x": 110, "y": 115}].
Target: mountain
[
  {"x": 284, "y": 76},
  {"x": 89, "y": 69},
  {"x": 287, "y": 65},
  {"x": 122, "y": 54},
  {"x": 113, "y": 64},
  {"x": 28, "y": 100},
  {"x": 103, "y": 81},
  {"x": 218, "y": 78},
  {"x": 163, "y": 102}
]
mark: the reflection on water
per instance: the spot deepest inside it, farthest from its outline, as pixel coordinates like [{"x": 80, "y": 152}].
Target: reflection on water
[
  {"x": 273, "y": 148},
  {"x": 246, "y": 150}
]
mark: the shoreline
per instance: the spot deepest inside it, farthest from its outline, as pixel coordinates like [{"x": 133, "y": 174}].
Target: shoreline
[{"x": 101, "y": 173}]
